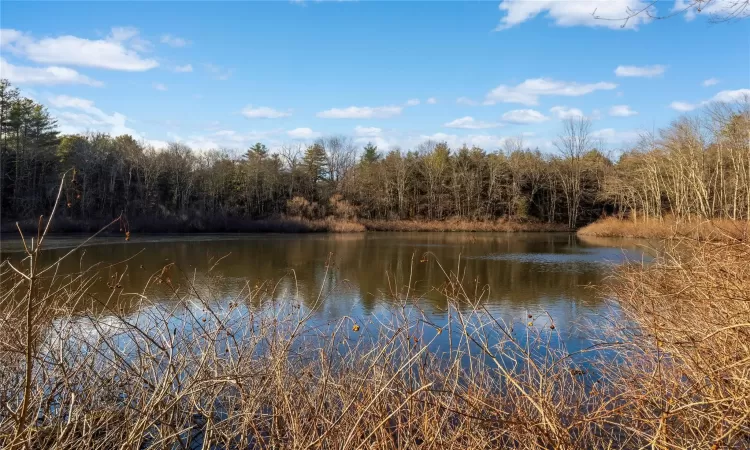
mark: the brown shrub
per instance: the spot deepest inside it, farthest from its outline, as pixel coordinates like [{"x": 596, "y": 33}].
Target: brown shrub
[
  {"x": 301, "y": 207},
  {"x": 683, "y": 370},
  {"x": 342, "y": 209}
]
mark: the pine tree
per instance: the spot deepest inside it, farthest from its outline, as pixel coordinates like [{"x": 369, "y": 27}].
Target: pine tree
[
  {"x": 370, "y": 153},
  {"x": 315, "y": 162},
  {"x": 257, "y": 151}
]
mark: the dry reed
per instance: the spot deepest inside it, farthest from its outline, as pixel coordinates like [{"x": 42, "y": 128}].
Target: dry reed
[
  {"x": 458, "y": 224},
  {"x": 668, "y": 227},
  {"x": 261, "y": 371}
]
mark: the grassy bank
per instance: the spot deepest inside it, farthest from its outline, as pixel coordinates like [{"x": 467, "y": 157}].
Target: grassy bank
[
  {"x": 668, "y": 227},
  {"x": 462, "y": 225},
  {"x": 283, "y": 224},
  {"x": 671, "y": 369}
]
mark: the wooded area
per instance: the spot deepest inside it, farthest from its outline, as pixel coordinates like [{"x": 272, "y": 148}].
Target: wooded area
[{"x": 699, "y": 166}]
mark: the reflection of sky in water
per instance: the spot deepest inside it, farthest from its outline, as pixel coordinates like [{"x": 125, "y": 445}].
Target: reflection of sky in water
[
  {"x": 588, "y": 256},
  {"x": 358, "y": 275},
  {"x": 575, "y": 260}
]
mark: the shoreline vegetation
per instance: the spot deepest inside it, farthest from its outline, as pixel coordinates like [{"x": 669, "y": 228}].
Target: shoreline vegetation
[
  {"x": 695, "y": 169},
  {"x": 296, "y": 225},
  {"x": 668, "y": 228},
  {"x": 256, "y": 371}
]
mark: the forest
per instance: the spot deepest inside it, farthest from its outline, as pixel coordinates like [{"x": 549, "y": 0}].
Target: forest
[{"x": 697, "y": 167}]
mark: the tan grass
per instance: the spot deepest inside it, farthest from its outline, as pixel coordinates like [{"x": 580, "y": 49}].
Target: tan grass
[
  {"x": 457, "y": 224},
  {"x": 258, "y": 371},
  {"x": 684, "y": 377},
  {"x": 668, "y": 227}
]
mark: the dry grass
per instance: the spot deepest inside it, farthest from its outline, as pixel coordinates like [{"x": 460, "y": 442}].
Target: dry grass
[
  {"x": 684, "y": 378},
  {"x": 257, "y": 371},
  {"x": 668, "y": 227},
  {"x": 260, "y": 371},
  {"x": 299, "y": 225},
  {"x": 295, "y": 224},
  {"x": 456, "y": 224}
]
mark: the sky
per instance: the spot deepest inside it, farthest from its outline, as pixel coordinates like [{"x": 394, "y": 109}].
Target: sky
[{"x": 227, "y": 75}]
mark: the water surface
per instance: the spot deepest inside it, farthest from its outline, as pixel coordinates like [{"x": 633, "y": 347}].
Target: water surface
[{"x": 547, "y": 275}]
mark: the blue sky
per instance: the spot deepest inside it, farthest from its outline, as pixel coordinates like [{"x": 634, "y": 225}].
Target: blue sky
[{"x": 230, "y": 74}]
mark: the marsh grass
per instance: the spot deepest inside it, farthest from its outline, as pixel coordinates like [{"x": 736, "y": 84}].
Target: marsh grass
[
  {"x": 290, "y": 224},
  {"x": 458, "y": 224},
  {"x": 261, "y": 371},
  {"x": 668, "y": 228}
]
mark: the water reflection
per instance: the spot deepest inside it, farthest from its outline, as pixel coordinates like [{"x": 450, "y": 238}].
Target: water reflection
[{"x": 358, "y": 274}]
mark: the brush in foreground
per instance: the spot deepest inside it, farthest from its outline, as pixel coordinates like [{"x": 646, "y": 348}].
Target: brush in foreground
[{"x": 260, "y": 371}]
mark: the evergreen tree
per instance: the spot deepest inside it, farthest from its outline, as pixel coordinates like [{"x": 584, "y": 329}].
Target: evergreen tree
[
  {"x": 315, "y": 162},
  {"x": 257, "y": 151},
  {"x": 370, "y": 153}
]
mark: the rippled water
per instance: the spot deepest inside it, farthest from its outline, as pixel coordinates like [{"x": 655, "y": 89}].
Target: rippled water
[{"x": 358, "y": 274}]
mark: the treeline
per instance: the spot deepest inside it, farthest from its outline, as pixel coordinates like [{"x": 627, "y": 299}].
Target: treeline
[{"x": 698, "y": 166}]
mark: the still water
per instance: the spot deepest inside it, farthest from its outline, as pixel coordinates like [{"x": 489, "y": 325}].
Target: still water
[{"x": 548, "y": 275}]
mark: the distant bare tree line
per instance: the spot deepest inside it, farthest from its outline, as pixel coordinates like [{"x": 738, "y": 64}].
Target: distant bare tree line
[{"x": 697, "y": 167}]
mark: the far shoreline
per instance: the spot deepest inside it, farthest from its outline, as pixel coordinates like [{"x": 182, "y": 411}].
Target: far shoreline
[{"x": 290, "y": 225}]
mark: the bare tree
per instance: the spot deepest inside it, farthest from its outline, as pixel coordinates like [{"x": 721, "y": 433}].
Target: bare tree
[
  {"x": 717, "y": 10},
  {"x": 573, "y": 143},
  {"x": 341, "y": 155}
]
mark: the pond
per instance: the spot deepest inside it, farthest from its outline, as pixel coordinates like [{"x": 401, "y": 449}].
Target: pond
[{"x": 550, "y": 276}]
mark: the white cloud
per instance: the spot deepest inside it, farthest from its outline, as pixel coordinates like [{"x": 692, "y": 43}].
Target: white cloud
[
  {"x": 78, "y": 115},
  {"x": 710, "y": 82},
  {"x": 229, "y": 139},
  {"x": 118, "y": 51},
  {"x": 529, "y": 91},
  {"x": 682, "y": 106},
  {"x": 739, "y": 95},
  {"x": 431, "y": 101},
  {"x": 470, "y": 123},
  {"x": 121, "y": 34},
  {"x": 622, "y": 111},
  {"x": 303, "y": 133},
  {"x": 43, "y": 75},
  {"x": 158, "y": 144},
  {"x": 220, "y": 73},
  {"x": 640, "y": 71},
  {"x": 184, "y": 69},
  {"x": 466, "y": 101},
  {"x": 412, "y": 102},
  {"x": 173, "y": 41},
  {"x": 563, "y": 112},
  {"x": 615, "y": 136},
  {"x": 8, "y": 36},
  {"x": 727, "y": 96},
  {"x": 593, "y": 13},
  {"x": 85, "y": 116},
  {"x": 521, "y": 116},
  {"x": 264, "y": 112},
  {"x": 361, "y": 131},
  {"x": 488, "y": 142},
  {"x": 361, "y": 112},
  {"x": 160, "y": 87}
]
